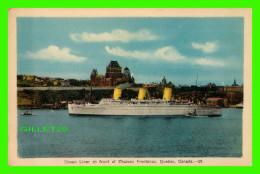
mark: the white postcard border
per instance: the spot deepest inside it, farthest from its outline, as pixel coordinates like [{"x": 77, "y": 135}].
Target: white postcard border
[{"x": 14, "y": 160}]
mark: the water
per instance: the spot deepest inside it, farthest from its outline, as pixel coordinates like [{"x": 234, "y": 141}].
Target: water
[{"x": 112, "y": 136}]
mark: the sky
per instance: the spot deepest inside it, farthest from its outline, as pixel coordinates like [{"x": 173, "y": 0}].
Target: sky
[{"x": 178, "y": 48}]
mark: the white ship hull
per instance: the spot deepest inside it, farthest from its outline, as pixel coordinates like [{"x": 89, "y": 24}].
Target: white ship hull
[{"x": 142, "y": 109}]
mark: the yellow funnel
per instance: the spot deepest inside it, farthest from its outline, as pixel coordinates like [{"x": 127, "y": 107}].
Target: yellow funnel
[
  {"x": 117, "y": 93},
  {"x": 167, "y": 95},
  {"x": 142, "y": 93}
]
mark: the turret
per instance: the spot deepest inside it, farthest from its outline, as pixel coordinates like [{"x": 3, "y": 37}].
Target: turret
[
  {"x": 127, "y": 73},
  {"x": 93, "y": 74},
  {"x": 164, "y": 81}
]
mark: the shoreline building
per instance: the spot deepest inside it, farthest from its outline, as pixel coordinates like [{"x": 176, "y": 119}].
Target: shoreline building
[{"x": 112, "y": 77}]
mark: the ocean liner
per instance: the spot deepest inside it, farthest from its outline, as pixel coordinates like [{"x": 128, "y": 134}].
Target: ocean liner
[{"x": 141, "y": 107}]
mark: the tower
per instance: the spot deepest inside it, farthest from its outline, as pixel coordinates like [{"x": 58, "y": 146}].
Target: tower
[
  {"x": 164, "y": 81},
  {"x": 127, "y": 73},
  {"x": 93, "y": 74},
  {"x": 235, "y": 83}
]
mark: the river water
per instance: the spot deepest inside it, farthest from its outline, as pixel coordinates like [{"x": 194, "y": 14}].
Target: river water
[{"x": 126, "y": 136}]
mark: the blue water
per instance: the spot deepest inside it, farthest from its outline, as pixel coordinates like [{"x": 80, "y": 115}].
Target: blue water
[{"x": 125, "y": 136}]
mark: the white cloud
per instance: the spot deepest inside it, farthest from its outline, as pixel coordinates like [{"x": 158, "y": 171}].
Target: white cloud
[
  {"x": 166, "y": 53},
  {"x": 210, "y": 62},
  {"x": 169, "y": 53},
  {"x": 208, "y": 47},
  {"x": 117, "y": 51},
  {"x": 56, "y": 54},
  {"x": 115, "y": 35}
]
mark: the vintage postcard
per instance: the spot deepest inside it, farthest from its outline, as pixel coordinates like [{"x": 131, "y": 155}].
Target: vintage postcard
[{"x": 130, "y": 87}]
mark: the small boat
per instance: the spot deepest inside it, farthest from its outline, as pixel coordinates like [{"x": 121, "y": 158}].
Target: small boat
[
  {"x": 192, "y": 114},
  {"x": 27, "y": 113},
  {"x": 239, "y": 106},
  {"x": 195, "y": 115}
]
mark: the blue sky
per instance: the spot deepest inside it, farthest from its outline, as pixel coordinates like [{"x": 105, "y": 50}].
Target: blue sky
[{"x": 177, "y": 48}]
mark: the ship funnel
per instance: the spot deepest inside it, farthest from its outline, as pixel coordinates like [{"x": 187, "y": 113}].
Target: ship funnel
[
  {"x": 142, "y": 93},
  {"x": 167, "y": 95},
  {"x": 117, "y": 93}
]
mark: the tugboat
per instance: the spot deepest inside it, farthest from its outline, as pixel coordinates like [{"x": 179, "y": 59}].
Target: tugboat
[{"x": 192, "y": 114}]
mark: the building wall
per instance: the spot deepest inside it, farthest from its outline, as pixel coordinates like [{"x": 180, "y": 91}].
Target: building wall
[
  {"x": 215, "y": 102},
  {"x": 231, "y": 88},
  {"x": 29, "y": 78}
]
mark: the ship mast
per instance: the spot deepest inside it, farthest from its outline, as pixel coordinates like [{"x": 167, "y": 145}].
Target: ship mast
[
  {"x": 197, "y": 80},
  {"x": 90, "y": 96}
]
